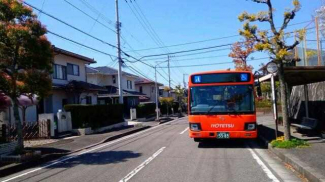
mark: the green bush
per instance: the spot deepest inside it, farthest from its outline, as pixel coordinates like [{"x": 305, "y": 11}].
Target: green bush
[
  {"x": 95, "y": 116},
  {"x": 263, "y": 104},
  {"x": 294, "y": 143},
  {"x": 146, "y": 110},
  {"x": 163, "y": 108}
]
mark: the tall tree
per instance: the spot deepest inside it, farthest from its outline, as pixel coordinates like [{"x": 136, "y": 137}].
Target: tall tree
[
  {"x": 240, "y": 52},
  {"x": 275, "y": 43},
  {"x": 179, "y": 91},
  {"x": 320, "y": 13},
  {"x": 26, "y": 56}
]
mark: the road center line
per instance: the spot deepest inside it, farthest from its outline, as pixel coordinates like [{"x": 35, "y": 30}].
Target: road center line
[
  {"x": 184, "y": 131},
  {"x": 142, "y": 165},
  {"x": 63, "y": 159},
  {"x": 267, "y": 171}
]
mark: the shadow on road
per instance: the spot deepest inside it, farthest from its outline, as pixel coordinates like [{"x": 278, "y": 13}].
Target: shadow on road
[
  {"x": 98, "y": 158},
  {"x": 230, "y": 144}
]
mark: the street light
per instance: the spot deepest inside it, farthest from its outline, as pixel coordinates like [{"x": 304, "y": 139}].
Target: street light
[{"x": 156, "y": 85}]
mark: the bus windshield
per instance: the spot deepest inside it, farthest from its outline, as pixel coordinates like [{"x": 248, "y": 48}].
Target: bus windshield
[{"x": 222, "y": 99}]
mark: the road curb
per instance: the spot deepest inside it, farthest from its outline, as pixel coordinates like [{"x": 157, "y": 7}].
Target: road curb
[
  {"x": 302, "y": 168},
  {"x": 14, "y": 168}
]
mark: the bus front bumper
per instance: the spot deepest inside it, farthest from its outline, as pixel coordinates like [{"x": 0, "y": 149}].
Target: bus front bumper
[{"x": 232, "y": 134}]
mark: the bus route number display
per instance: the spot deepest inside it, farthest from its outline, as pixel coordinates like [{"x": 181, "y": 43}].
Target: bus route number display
[{"x": 221, "y": 78}]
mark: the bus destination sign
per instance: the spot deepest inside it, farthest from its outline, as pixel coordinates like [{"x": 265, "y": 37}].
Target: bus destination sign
[{"x": 220, "y": 78}]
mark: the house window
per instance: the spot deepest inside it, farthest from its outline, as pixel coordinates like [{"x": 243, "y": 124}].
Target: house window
[
  {"x": 88, "y": 100},
  {"x": 114, "y": 79},
  {"x": 141, "y": 89},
  {"x": 129, "y": 84},
  {"x": 152, "y": 89},
  {"x": 60, "y": 72},
  {"x": 73, "y": 69}
]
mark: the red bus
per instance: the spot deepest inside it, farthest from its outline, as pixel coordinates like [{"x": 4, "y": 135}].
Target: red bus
[{"x": 221, "y": 105}]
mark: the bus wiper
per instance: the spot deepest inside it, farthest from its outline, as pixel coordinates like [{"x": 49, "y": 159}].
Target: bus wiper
[{"x": 211, "y": 108}]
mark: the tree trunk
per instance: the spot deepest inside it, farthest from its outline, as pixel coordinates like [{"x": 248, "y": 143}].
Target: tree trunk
[
  {"x": 284, "y": 102},
  {"x": 20, "y": 141},
  {"x": 23, "y": 113}
]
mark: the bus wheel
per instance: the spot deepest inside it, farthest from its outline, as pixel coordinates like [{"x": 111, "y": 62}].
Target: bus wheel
[{"x": 197, "y": 140}]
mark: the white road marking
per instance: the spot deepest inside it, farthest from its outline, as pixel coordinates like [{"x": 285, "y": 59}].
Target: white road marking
[
  {"x": 142, "y": 165},
  {"x": 267, "y": 171},
  {"x": 184, "y": 131},
  {"x": 86, "y": 151}
]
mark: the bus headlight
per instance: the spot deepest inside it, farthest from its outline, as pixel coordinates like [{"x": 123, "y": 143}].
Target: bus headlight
[
  {"x": 195, "y": 126},
  {"x": 250, "y": 126}
]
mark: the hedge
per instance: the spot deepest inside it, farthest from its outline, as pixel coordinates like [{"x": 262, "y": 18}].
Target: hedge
[
  {"x": 163, "y": 108},
  {"x": 263, "y": 104},
  {"x": 146, "y": 110},
  {"x": 95, "y": 116}
]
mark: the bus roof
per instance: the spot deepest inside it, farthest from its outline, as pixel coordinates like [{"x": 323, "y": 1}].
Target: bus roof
[
  {"x": 219, "y": 71},
  {"x": 249, "y": 77}
]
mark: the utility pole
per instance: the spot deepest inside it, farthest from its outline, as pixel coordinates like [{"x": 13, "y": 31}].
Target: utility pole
[
  {"x": 319, "y": 56},
  {"x": 118, "y": 28},
  {"x": 168, "y": 77},
  {"x": 184, "y": 82},
  {"x": 157, "y": 92}
]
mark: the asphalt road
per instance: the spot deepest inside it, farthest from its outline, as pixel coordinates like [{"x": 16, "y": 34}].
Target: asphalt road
[{"x": 164, "y": 153}]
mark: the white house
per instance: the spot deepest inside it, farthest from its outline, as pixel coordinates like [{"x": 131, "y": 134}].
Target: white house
[
  {"x": 147, "y": 87},
  {"x": 108, "y": 77},
  {"x": 69, "y": 86}
]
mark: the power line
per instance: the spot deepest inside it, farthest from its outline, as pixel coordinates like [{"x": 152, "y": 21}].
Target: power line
[
  {"x": 198, "y": 65},
  {"x": 102, "y": 16},
  {"x": 136, "y": 71},
  {"x": 94, "y": 10},
  {"x": 109, "y": 44},
  {"x": 40, "y": 14},
  {"x": 83, "y": 12},
  {"x": 198, "y": 49},
  {"x": 144, "y": 22},
  {"x": 185, "y": 55},
  {"x": 197, "y": 58},
  {"x": 96, "y": 20},
  {"x": 65, "y": 38},
  {"x": 208, "y": 40},
  {"x": 184, "y": 51}
]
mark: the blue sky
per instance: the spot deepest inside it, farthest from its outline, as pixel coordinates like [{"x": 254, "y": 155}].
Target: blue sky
[{"x": 174, "y": 21}]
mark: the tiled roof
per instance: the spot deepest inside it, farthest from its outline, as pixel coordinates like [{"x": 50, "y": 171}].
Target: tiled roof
[
  {"x": 68, "y": 53},
  {"x": 141, "y": 80},
  {"x": 106, "y": 70}
]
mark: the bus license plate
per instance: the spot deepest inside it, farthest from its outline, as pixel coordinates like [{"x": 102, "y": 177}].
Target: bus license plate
[{"x": 223, "y": 135}]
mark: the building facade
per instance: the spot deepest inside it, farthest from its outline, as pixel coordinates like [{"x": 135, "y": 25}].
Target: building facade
[
  {"x": 108, "y": 77},
  {"x": 147, "y": 87},
  {"x": 69, "y": 86}
]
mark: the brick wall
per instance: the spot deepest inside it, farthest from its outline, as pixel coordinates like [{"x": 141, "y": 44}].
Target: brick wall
[{"x": 7, "y": 147}]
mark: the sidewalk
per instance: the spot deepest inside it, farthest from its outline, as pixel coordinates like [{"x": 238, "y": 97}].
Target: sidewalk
[{"x": 310, "y": 161}]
